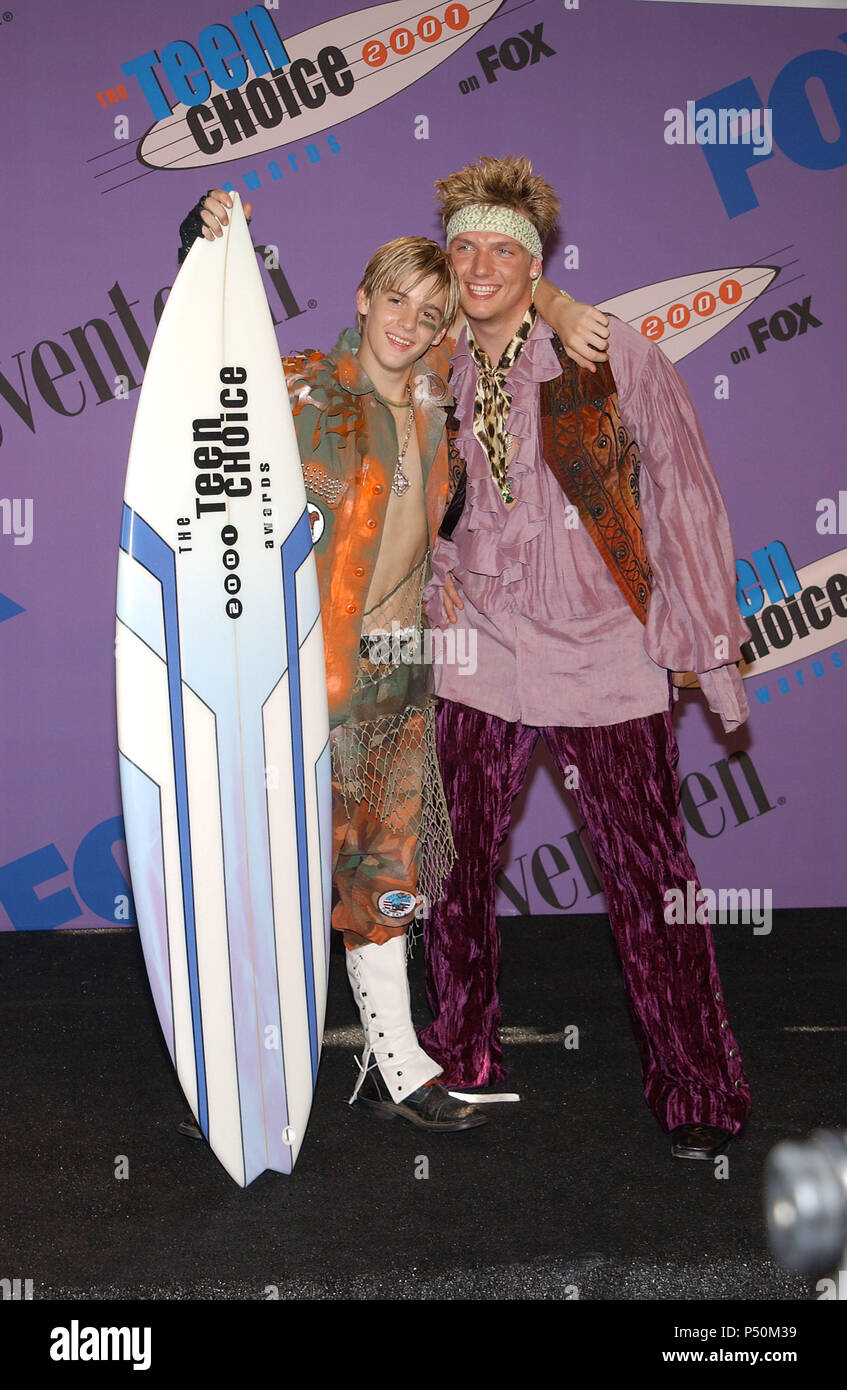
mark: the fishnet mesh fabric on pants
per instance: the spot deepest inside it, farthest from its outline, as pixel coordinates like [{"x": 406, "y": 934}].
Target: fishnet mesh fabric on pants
[{"x": 384, "y": 755}]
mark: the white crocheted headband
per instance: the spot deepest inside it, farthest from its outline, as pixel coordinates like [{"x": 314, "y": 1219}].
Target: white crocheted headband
[{"x": 478, "y": 217}]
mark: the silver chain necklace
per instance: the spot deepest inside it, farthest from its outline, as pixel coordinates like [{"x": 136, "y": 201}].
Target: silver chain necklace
[{"x": 400, "y": 483}]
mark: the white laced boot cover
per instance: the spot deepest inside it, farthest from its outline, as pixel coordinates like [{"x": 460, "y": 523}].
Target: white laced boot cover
[{"x": 377, "y": 975}]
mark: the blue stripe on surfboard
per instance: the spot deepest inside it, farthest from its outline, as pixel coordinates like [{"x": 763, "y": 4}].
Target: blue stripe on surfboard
[
  {"x": 323, "y": 797},
  {"x": 139, "y": 604},
  {"x": 295, "y": 549},
  {"x": 147, "y": 547},
  {"x": 149, "y": 890}
]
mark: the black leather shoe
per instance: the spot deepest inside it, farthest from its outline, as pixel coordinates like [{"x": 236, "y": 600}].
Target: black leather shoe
[
  {"x": 429, "y": 1107},
  {"x": 190, "y": 1128},
  {"x": 698, "y": 1141}
]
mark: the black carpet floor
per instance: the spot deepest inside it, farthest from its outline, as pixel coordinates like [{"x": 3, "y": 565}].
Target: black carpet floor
[{"x": 569, "y": 1195}]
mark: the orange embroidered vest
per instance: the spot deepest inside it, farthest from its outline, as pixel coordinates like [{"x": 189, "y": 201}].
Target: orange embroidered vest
[{"x": 595, "y": 461}]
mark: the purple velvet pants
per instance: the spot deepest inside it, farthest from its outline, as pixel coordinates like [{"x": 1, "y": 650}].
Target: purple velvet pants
[{"x": 628, "y": 794}]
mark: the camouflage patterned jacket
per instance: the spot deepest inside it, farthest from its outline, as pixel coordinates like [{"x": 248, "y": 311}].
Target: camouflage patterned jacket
[{"x": 347, "y": 443}]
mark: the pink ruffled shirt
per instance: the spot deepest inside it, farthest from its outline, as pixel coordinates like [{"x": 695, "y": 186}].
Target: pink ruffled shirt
[{"x": 555, "y": 641}]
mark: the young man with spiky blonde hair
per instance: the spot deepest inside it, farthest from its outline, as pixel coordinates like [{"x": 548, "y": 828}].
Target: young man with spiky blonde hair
[
  {"x": 591, "y": 556},
  {"x": 500, "y": 183}
]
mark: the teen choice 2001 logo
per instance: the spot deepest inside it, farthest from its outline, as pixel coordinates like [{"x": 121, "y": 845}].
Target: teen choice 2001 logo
[{"x": 240, "y": 88}]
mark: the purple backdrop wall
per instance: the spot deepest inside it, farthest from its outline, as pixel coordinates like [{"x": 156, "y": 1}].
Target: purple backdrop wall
[{"x": 584, "y": 88}]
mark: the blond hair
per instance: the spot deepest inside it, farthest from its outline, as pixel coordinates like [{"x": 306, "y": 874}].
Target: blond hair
[
  {"x": 406, "y": 262},
  {"x": 507, "y": 182}
]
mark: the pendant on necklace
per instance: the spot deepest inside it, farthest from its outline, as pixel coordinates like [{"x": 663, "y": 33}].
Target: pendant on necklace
[{"x": 400, "y": 483}]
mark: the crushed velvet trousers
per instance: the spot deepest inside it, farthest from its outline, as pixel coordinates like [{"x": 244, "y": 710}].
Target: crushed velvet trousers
[{"x": 628, "y": 794}]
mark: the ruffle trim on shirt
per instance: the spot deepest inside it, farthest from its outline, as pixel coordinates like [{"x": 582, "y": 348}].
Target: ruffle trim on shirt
[
  {"x": 724, "y": 693},
  {"x": 499, "y": 550}
]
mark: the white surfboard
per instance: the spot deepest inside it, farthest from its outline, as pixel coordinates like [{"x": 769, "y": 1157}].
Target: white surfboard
[{"x": 222, "y": 714}]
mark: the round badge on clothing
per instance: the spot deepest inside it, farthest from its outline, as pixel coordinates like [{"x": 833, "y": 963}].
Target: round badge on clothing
[
  {"x": 397, "y": 903},
  {"x": 317, "y": 521}
]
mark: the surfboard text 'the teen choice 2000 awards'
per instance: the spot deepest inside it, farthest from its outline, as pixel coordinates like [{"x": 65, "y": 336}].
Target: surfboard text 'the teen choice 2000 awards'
[{"x": 223, "y": 463}]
